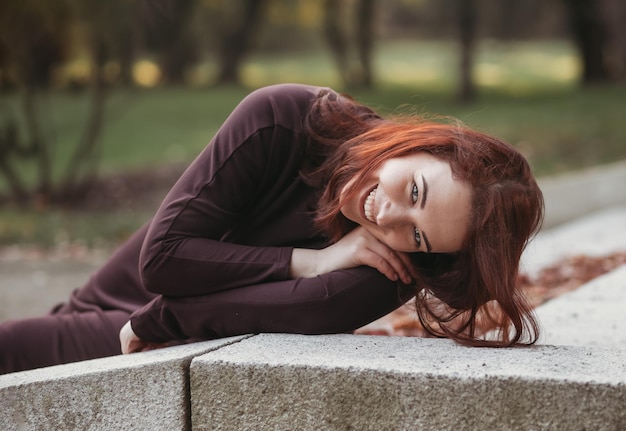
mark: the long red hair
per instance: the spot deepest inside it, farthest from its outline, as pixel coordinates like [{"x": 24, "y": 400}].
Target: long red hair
[{"x": 454, "y": 290}]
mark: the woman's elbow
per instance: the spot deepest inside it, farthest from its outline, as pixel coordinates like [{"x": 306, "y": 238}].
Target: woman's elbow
[{"x": 155, "y": 275}]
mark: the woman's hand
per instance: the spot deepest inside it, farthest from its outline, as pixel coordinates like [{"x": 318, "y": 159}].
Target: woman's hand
[
  {"x": 359, "y": 247},
  {"x": 131, "y": 343}
]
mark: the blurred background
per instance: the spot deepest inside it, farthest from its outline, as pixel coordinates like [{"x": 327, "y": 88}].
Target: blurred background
[{"x": 103, "y": 103}]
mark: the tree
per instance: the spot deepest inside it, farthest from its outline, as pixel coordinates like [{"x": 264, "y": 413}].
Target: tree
[
  {"x": 467, "y": 28},
  {"x": 167, "y": 28},
  {"x": 334, "y": 25},
  {"x": 614, "y": 12},
  {"x": 235, "y": 37},
  {"x": 29, "y": 52},
  {"x": 365, "y": 41},
  {"x": 589, "y": 33},
  {"x": 30, "y": 143},
  {"x": 28, "y": 33},
  {"x": 354, "y": 72}
]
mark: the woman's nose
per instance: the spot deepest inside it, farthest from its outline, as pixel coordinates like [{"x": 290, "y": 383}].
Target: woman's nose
[{"x": 390, "y": 215}]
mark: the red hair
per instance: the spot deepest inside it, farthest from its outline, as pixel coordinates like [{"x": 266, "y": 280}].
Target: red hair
[{"x": 452, "y": 290}]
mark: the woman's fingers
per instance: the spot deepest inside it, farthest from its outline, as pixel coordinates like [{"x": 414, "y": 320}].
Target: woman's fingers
[
  {"x": 371, "y": 252},
  {"x": 359, "y": 247},
  {"x": 387, "y": 261},
  {"x": 129, "y": 341},
  {"x": 376, "y": 261},
  {"x": 127, "y": 336}
]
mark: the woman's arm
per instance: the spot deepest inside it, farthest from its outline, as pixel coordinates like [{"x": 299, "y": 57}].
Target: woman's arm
[
  {"x": 333, "y": 290},
  {"x": 250, "y": 167},
  {"x": 336, "y": 302}
]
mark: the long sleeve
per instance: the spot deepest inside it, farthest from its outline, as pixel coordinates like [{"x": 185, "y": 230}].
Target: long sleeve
[
  {"x": 340, "y": 301},
  {"x": 223, "y": 224}
]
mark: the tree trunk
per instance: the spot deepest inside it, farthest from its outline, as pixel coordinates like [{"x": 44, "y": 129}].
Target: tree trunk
[
  {"x": 8, "y": 144},
  {"x": 38, "y": 147},
  {"x": 334, "y": 24},
  {"x": 235, "y": 42},
  {"x": 588, "y": 30},
  {"x": 128, "y": 44},
  {"x": 178, "y": 49},
  {"x": 365, "y": 40},
  {"x": 614, "y": 12},
  {"x": 467, "y": 25},
  {"x": 81, "y": 169}
]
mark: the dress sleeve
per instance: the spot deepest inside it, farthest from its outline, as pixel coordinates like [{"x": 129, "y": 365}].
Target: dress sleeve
[
  {"x": 337, "y": 302},
  {"x": 184, "y": 253}
]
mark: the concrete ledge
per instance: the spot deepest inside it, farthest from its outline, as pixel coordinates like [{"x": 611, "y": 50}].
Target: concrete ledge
[
  {"x": 385, "y": 383},
  {"x": 598, "y": 234},
  {"x": 592, "y": 315},
  {"x": 575, "y": 194},
  {"x": 281, "y": 381},
  {"x": 143, "y": 391}
]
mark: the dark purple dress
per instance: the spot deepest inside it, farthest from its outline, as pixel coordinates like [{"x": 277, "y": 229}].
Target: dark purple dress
[{"x": 214, "y": 261}]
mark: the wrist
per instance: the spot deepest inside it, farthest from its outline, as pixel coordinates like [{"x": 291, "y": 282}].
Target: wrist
[{"x": 303, "y": 263}]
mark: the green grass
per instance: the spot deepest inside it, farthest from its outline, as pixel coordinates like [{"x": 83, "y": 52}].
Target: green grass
[
  {"x": 57, "y": 227},
  {"x": 527, "y": 96}
]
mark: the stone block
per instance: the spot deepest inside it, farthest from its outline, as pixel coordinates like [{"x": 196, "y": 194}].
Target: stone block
[
  {"x": 347, "y": 382},
  {"x": 576, "y": 194},
  {"x": 599, "y": 234},
  {"x": 141, "y": 391},
  {"x": 592, "y": 315}
]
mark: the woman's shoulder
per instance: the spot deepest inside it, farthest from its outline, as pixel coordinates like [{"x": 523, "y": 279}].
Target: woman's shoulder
[
  {"x": 288, "y": 92},
  {"x": 283, "y": 105}
]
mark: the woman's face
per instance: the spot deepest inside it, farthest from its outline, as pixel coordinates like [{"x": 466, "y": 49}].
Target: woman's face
[{"x": 413, "y": 203}]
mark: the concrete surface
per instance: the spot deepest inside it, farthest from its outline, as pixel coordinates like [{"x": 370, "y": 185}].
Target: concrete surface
[
  {"x": 142, "y": 391},
  {"x": 592, "y": 315},
  {"x": 575, "y": 194},
  {"x": 345, "y": 382},
  {"x": 598, "y": 234},
  {"x": 30, "y": 288}
]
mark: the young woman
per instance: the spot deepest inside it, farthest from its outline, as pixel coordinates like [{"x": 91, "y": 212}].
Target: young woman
[{"x": 309, "y": 213}]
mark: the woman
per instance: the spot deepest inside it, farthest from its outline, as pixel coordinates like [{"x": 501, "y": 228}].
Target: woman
[{"x": 309, "y": 213}]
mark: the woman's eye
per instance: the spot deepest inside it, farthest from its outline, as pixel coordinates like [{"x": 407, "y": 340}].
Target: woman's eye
[
  {"x": 414, "y": 193},
  {"x": 418, "y": 237}
]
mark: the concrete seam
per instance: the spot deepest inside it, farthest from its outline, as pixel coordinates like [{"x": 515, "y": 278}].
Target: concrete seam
[{"x": 187, "y": 378}]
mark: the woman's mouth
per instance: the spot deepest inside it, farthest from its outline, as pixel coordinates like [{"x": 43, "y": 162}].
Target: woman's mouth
[{"x": 368, "y": 206}]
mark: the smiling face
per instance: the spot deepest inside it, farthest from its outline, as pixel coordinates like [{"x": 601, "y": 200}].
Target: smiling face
[{"x": 411, "y": 204}]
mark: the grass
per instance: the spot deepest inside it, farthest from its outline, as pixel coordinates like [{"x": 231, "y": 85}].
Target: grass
[
  {"x": 58, "y": 228},
  {"x": 527, "y": 96}
]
